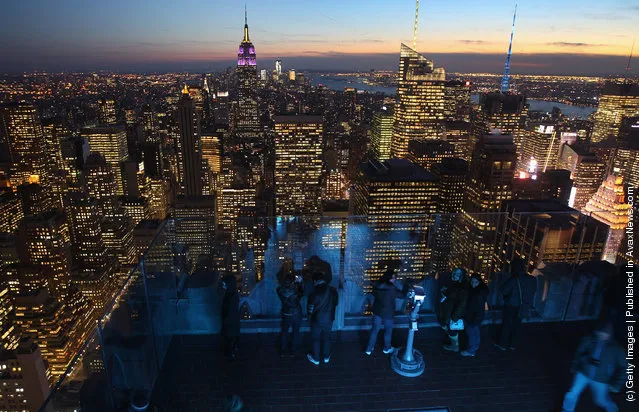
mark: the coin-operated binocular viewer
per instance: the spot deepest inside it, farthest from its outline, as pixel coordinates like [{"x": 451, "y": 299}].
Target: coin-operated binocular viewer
[{"x": 407, "y": 361}]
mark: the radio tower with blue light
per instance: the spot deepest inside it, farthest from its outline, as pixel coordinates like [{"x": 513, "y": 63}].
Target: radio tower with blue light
[{"x": 506, "y": 78}]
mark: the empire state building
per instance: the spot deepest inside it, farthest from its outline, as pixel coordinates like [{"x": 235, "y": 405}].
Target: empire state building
[{"x": 247, "y": 122}]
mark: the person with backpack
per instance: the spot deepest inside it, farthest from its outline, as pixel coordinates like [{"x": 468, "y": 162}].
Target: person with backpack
[
  {"x": 474, "y": 315},
  {"x": 290, "y": 293},
  {"x": 518, "y": 292},
  {"x": 385, "y": 291},
  {"x": 321, "y": 312},
  {"x": 230, "y": 316}
]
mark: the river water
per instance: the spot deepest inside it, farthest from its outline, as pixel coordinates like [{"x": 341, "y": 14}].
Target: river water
[{"x": 335, "y": 83}]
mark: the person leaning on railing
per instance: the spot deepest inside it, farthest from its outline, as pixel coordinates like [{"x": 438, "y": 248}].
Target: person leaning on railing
[{"x": 290, "y": 292}]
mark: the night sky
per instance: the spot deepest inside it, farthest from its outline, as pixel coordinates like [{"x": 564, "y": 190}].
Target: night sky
[{"x": 581, "y": 37}]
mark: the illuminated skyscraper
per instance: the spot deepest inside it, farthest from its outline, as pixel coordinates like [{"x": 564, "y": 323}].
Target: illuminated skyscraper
[
  {"x": 11, "y": 212},
  {"x": 451, "y": 173},
  {"x": 247, "y": 118},
  {"x": 278, "y": 67},
  {"x": 505, "y": 112},
  {"x": 457, "y": 100},
  {"x": 616, "y": 102},
  {"x": 158, "y": 199},
  {"x": 85, "y": 221},
  {"x": 457, "y": 133},
  {"x": 540, "y": 149},
  {"x": 111, "y": 143},
  {"x": 25, "y": 142},
  {"x": 136, "y": 207},
  {"x": 8, "y": 333},
  {"x": 587, "y": 177},
  {"x": 35, "y": 200},
  {"x": 427, "y": 153},
  {"x": 298, "y": 165},
  {"x": 609, "y": 206},
  {"x": 332, "y": 186},
  {"x": 195, "y": 224},
  {"x": 394, "y": 198},
  {"x": 23, "y": 378},
  {"x": 419, "y": 111},
  {"x": 190, "y": 155},
  {"x": 107, "y": 111},
  {"x": 489, "y": 184},
  {"x": 382, "y": 132},
  {"x": 100, "y": 183},
  {"x": 46, "y": 240}
]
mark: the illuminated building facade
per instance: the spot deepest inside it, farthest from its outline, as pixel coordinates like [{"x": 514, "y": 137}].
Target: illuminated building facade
[
  {"x": 35, "y": 199},
  {"x": 451, "y": 173},
  {"x": 278, "y": 68},
  {"x": 190, "y": 150},
  {"x": 211, "y": 151},
  {"x": 427, "y": 153},
  {"x": 58, "y": 328},
  {"x": 609, "y": 206},
  {"x": 24, "y": 139},
  {"x": 89, "y": 250},
  {"x": 195, "y": 224},
  {"x": 382, "y": 132},
  {"x": 419, "y": 111},
  {"x": 11, "y": 212},
  {"x": 505, "y": 112},
  {"x": 616, "y": 102},
  {"x": 554, "y": 184},
  {"x": 587, "y": 177},
  {"x": 540, "y": 148},
  {"x": 8, "y": 333},
  {"x": 395, "y": 198},
  {"x": 247, "y": 118},
  {"x": 158, "y": 199},
  {"x": 489, "y": 184},
  {"x": 111, "y": 143},
  {"x": 24, "y": 383},
  {"x": 457, "y": 100},
  {"x": 545, "y": 231},
  {"x": 47, "y": 242},
  {"x": 298, "y": 165},
  {"x": 457, "y": 133},
  {"x": 107, "y": 112},
  {"x": 136, "y": 207}
]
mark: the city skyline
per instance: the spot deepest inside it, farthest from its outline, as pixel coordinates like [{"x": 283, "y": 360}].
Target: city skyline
[{"x": 549, "y": 37}]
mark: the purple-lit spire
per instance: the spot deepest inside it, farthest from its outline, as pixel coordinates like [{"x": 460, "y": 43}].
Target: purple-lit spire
[{"x": 246, "y": 51}]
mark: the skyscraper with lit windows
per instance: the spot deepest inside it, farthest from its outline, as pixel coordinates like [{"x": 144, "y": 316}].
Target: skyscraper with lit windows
[
  {"x": 488, "y": 185},
  {"x": 111, "y": 143},
  {"x": 25, "y": 142},
  {"x": 616, "y": 102},
  {"x": 382, "y": 132},
  {"x": 419, "y": 111},
  {"x": 505, "y": 112},
  {"x": 190, "y": 155},
  {"x": 107, "y": 113},
  {"x": 247, "y": 118},
  {"x": 298, "y": 165}
]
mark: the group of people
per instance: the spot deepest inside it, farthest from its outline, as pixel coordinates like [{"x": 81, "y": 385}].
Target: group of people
[{"x": 599, "y": 363}]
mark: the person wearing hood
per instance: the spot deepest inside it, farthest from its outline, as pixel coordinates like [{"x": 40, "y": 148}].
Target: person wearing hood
[
  {"x": 321, "y": 313},
  {"x": 474, "y": 314},
  {"x": 385, "y": 292},
  {"x": 519, "y": 293},
  {"x": 452, "y": 306},
  {"x": 290, "y": 293},
  {"x": 230, "y": 316}
]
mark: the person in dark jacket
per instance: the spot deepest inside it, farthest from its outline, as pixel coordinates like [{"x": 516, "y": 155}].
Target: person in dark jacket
[
  {"x": 315, "y": 264},
  {"x": 230, "y": 316},
  {"x": 474, "y": 315},
  {"x": 321, "y": 313},
  {"x": 599, "y": 364},
  {"x": 385, "y": 292},
  {"x": 518, "y": 292},
  {"x": 290, "y": 293},
  {"x": 452, "y": 306}
]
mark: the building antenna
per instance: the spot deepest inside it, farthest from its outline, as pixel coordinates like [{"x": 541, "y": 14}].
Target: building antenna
[
  {"x": 245, "y": 16},
  {"x": 506, "y": 78},
  {"x": 630, "y": 57},
  {"x": 415, "y": 28}
]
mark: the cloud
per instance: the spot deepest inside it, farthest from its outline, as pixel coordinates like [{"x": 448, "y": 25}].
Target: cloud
[
  {"x": 474, "y": 42},
  {"x": 571, "y": 44}
]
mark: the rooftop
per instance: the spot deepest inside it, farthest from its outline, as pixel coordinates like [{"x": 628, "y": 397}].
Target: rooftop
[{"x": 393, "y": 170}]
